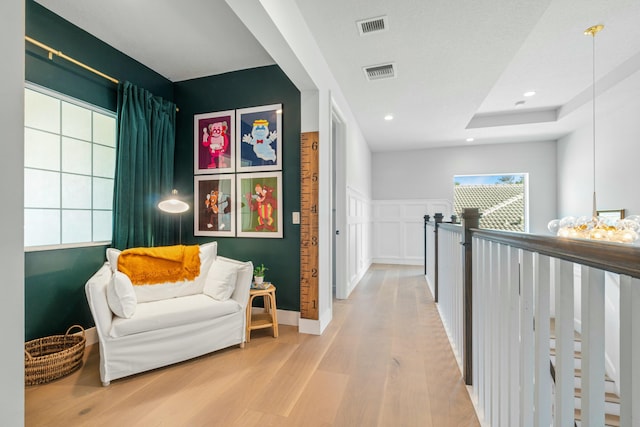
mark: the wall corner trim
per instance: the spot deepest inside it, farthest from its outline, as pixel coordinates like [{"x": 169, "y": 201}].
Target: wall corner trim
[{"x": 315, "y": 327}]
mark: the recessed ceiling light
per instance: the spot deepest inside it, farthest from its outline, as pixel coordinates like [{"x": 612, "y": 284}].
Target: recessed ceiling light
[
  {"x": 530, "y": 93},
  {"x": 519, "y": 104},
  {"x": 388, "y": 117},
  {"x": 470, "y": 139}
]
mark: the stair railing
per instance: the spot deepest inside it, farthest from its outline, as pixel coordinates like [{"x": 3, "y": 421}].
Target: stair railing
[{"x": 494, "y": 288}]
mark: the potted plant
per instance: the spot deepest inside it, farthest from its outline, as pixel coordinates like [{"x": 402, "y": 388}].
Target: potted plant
[{"x": 258, "y": 274}]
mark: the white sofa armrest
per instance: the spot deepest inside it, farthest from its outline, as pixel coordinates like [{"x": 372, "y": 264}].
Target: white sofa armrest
[{"x": 96, "y": 291}]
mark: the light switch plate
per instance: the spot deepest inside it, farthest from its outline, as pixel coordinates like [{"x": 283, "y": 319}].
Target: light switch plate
[{"x": 295, "y": 217}]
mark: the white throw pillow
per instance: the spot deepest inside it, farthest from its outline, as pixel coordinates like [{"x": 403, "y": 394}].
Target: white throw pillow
[
  {"x": 221, "y": 280},
  {"x": 208, "y": 254},
  {"x": 112, "y": 257},
  {"x": 121, "y": 296}
]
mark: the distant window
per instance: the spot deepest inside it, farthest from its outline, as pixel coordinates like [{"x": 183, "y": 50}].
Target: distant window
[
  {"x": 69, "y": 166},
  {"x": 502, "y": 199}
]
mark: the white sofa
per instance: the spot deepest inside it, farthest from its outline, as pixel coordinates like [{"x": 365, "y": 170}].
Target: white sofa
[{"x": 170, "y": 330}]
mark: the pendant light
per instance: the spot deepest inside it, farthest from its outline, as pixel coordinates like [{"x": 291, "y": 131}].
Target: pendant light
[
  {"x": 592, "y": 227},
  {"x": 592, "y": 31}
]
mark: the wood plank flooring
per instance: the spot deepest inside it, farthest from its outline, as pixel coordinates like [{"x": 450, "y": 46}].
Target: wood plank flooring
[{"x": 384, "y": 360}]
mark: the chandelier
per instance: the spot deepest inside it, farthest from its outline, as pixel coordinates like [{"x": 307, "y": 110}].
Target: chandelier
[{"x": 624, "y": 230}]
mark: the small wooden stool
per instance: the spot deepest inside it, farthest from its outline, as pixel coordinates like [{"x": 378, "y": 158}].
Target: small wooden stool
[{"x": 263, "y": 320}]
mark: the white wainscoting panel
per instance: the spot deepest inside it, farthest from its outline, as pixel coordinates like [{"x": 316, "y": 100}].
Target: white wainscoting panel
[
  {"x": 398, "y": 228},
  {"x": 358, "y": 237}
]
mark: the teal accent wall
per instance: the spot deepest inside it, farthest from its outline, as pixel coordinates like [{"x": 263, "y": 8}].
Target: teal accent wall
[
  {"x": 55, "y": 279},
  {"x": 242, "y": 89},
  {"x": 54, "y": 289}
]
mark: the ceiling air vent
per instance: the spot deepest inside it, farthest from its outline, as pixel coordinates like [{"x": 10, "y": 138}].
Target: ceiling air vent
[
  {"x": 378, "y": 72},
  {"x": 372, "y": 25}
]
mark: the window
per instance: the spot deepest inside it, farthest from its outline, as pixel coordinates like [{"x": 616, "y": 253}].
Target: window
[
  {"x": 69, "y": 167},
  {"x": 502, "y": 199}
]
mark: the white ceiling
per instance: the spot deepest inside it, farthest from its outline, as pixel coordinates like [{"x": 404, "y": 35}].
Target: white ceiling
[{"x": 461, "y": 65}]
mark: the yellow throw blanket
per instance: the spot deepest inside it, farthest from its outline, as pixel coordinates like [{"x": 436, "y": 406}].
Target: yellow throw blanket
[{"x": 162, "y": 264}]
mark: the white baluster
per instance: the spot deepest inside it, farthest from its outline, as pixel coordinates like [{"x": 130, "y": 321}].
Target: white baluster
[
  {"x": 542, "y": 394},
  {"x": 504, "y": 342},
  {"x": 526, "y": 336},
  {"x": 514, "y": 336},
  {"x": 564, "y": 331},
  {"x": 486, "y": 331},
  {"x": 629, "y": 351},
  {"x": 477, "y": 337},
  {"x": 495, "y": 334},
  {"x": 592, "y": 401}
]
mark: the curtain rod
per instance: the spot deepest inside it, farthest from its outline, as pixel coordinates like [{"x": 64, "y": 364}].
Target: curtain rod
[{"x": 52, "y": 52}]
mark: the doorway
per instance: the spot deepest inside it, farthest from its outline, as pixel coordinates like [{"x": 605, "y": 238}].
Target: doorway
[{"x": 338, "y": 205}]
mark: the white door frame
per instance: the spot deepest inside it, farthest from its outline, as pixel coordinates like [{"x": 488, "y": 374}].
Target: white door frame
[{"x": 338, "y": 176}]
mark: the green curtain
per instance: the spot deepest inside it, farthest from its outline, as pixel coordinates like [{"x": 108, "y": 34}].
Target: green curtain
[{"x": 144, "y": 168}]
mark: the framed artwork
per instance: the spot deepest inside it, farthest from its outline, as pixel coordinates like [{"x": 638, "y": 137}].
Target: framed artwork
[
  {"x": 259, "y": 138},
  {"x": 614, "y": 214},
  {"x": 213, "y": 142},
  {"x": 214, "y": 205},
  {"x": 259, "y": 204}
]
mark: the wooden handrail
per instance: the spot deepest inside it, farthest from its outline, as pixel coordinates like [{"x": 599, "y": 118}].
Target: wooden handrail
[{"x": 614, "y": 257}]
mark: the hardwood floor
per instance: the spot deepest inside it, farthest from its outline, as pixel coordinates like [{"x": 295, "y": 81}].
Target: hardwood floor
[{"x": 383, "y": 361}]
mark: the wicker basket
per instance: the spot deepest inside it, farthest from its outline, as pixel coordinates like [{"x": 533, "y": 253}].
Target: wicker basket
[{"x": 49, "y": 358}]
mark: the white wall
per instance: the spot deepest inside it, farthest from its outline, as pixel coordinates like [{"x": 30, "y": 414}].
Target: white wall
[
  {"x": 428, "y": 174},
  {"x": 281, "y": 29},
  {"x": 617, "y": 155},
  {"x": 398, "y": 229},
  {"x": 358, "y": 160},
  {"x": 11, "y": 226},
  {"x": 358, "y": 235},
  {"x": 309, "y": 114}
]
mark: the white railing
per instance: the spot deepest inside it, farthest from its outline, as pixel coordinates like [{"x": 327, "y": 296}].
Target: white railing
[
  {"x": 518, "y": 282},
  {"x": 430, "y": 259},
  {"x": 450, "y": 298}
]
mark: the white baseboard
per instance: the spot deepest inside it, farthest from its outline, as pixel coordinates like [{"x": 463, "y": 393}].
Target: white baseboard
[
  {"x": 355, "y": 281},
  {"x": 90, "y": 335},
  {"x": 399, "y": 261},
  {"x": 288, "y": 317},
  {"x": 285, "y": 317},
  {"x": 430, "y": 286},
  {"x": 315, "y": 327}
]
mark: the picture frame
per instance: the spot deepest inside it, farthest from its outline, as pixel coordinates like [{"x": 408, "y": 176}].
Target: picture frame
[
  {"x": 214, "y": 205},
  {"x": 259, "y": 205},
  {"x": 259, "y": 138},
  {"x": 613, "y": 214},
  {"x": 214, "y": 142}
]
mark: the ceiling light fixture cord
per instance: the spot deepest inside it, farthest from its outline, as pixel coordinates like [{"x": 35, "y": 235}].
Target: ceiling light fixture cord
[
  {"x": 595, "y": 210},
  {"x": 592, "y": 31}
]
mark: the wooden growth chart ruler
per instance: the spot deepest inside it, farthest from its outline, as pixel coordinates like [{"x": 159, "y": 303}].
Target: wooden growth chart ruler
[{"x": 309, "y": 185}]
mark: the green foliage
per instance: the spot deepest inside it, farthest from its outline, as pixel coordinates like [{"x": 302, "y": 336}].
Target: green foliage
[
  {"x": 511, "y": 179},
  {"x": 259, "y": 270},
  {"x": 506, "y": 179}
]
